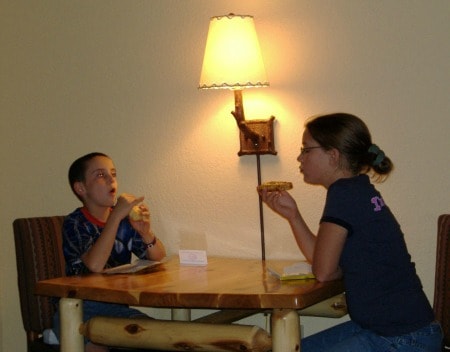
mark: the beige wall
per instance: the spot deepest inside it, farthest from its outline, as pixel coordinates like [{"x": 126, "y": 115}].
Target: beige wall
[{"x": 121, "y": 76}]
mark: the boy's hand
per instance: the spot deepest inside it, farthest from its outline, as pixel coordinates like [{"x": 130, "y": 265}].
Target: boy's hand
[
  {"x": 142, "y": 224},
  {"x": 124, "y": 204}
]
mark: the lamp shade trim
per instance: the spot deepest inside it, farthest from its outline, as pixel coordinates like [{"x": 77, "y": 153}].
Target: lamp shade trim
[
  {"x": 234, "y": 85},
  {"x": 230, "y": 16}
]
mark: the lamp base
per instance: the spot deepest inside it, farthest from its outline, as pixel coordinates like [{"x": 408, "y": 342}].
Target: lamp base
[{"x": 265, "y": 143}]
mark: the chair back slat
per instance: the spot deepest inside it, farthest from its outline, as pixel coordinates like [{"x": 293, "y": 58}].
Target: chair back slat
[
  {"x": 442, "y": 277},
  {"x": 38, "y": 244}
]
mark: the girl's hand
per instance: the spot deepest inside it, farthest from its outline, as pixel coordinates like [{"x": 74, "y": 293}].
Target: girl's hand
[{"x": 280, "y": 202}]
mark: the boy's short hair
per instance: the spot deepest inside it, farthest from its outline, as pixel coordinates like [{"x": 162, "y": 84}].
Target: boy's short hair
[{"x": 77, "y": 171}]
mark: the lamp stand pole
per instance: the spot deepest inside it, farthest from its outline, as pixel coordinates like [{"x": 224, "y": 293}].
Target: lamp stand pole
[{"x": 261, "y": 210}]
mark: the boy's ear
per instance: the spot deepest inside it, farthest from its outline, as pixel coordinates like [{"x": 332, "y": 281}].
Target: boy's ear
[{"x": 79, "y": 188}]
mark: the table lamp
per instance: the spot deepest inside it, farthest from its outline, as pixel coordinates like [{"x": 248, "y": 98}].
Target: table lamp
[{"x": 233, "y": 61}]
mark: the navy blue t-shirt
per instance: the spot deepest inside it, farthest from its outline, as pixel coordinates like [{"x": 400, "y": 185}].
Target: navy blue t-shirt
[{"x": 384, "y": 293}]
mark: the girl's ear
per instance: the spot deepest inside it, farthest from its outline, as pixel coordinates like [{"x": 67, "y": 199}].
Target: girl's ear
[{"x": 334, "y": 157}]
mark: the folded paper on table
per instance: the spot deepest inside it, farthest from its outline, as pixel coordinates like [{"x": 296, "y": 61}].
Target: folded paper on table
[
  {"x": 137, "y": 265},
  {"x": 297, "y": 271},
  {"x": 193, "y": 257},
  {"x": 193, "y": 248}
]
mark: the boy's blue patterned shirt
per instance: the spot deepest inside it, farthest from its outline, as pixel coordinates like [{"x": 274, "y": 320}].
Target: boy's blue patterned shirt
[{"x": 81, "y": 230}]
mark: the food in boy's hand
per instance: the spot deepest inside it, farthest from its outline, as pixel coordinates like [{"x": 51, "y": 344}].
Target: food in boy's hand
[
  {"x": 136, "y": 213},
  {"x": 272, "y": 186}
]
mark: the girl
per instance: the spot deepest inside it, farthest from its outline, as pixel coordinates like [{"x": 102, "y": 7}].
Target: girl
[{"x": 360, "y": 241}]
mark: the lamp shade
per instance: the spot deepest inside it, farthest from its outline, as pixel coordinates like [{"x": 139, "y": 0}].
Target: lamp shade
[{"x": 232, "y": 55}]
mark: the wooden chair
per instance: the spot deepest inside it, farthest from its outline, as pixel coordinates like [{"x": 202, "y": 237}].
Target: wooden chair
[
  {"x": 38, "y": 256},
  {"x": 442, "y": 278},
  {"x": 38, "y": 243}
]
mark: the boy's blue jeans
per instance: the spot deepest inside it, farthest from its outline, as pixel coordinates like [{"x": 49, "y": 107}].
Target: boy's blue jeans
[{"x": 350, "y": 337}]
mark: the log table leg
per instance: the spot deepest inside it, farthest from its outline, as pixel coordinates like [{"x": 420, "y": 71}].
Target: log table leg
[
  {"x": 168, "y": 335},
  {"x": 285, "y": 330},
  {"x": 71, "y": 317}
]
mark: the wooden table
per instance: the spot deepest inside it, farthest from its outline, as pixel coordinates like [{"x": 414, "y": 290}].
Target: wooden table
[{"x": 225, "y": 283}]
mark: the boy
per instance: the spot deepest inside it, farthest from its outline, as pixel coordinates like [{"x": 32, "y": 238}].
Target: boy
[{"x": 100, "y": 234}]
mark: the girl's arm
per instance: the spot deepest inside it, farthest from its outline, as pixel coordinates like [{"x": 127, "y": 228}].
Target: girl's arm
[
  {"x": 327, "y": 251},
  {"x": 322, "y": 251}
]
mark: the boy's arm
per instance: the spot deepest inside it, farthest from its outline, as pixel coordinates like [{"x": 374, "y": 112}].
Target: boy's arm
[
  {"x": 154, "y": 247},
  {"x": 76, "y": 238},
  {"x": 157, "y": 250},
  {"x": 97, "y": 256}
]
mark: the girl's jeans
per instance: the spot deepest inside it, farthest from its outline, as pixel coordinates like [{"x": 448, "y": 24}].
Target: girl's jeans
[{"x": 350, "y": 337}]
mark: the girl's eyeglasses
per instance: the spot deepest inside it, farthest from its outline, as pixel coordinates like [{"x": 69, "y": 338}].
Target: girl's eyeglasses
[{"x": 306, "y": 150}]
